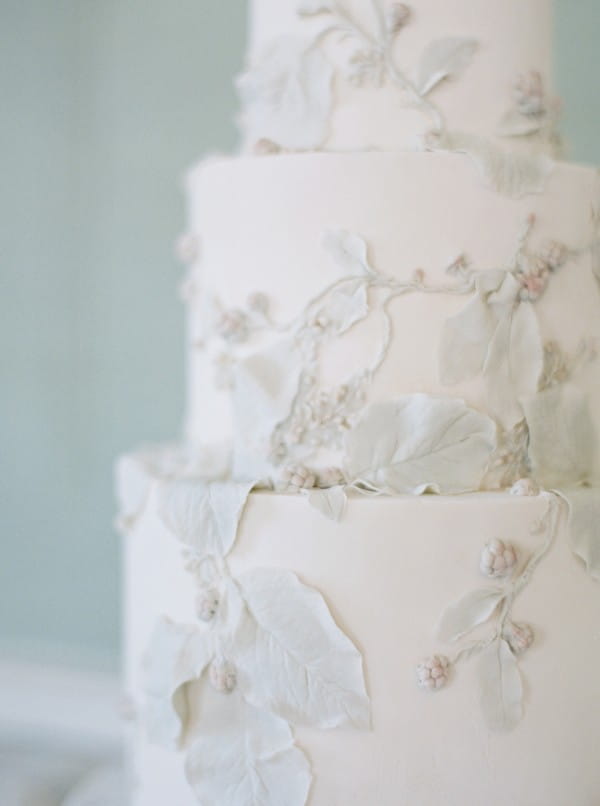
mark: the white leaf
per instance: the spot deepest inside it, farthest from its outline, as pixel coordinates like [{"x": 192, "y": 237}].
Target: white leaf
[
  {"x": 514, "y": 363},
  {"x": 266, "y": 384},
  {"x": 346, "y": 306},
  {"x": 420, "y": 443},
  {"x": 561, "y": 436},
  {"x": 584, "y": 526},
  {"x": 514, "y": 124},
  {"x": 502, "y": 689},
  {"x": 466, "y": 336},
  {"x": 311, "y": 7},
  {"x": 176, "y": 655},
  {"x": 287, "y": 96},
  {"x": 442, "y": 59},
  {"x": 469, "y": 612},
  {"x": 511, "y": 174},
  {"x": 349, "y": 251},
  {"x": 245, "y": 757},
  {"x": 292, "y": 658},
  {"x": 204, "y": 515},
  {"x": 330, "y": 502},
  {"x": 526, "y": 349}
]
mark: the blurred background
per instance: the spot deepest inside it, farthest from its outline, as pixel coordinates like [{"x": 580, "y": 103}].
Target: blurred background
[{"x": 105, "y": 103}]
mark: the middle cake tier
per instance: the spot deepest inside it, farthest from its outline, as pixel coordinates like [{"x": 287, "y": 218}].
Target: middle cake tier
[{"x": 327, "y": 282}]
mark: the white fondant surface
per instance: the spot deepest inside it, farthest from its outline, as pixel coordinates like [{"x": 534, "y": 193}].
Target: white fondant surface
[
  {"x": 514, "y": 37},
  {"x": 262, "y": 221},
  {"x": 387, "y": 572},
  {"x": 392, "y": 566}
]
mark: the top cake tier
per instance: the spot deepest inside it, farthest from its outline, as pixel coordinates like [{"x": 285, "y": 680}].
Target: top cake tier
[{"x": 377, "y": 74}]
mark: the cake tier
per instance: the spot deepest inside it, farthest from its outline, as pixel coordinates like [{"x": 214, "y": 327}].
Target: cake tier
[
  {"x": 262, "y": 224},
  {"x": 382, "y": 79},
  {"x": 388, "y": 571}
]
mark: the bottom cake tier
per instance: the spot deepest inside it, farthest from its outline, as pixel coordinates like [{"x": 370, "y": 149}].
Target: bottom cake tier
[{"x": 388, "y": 571}]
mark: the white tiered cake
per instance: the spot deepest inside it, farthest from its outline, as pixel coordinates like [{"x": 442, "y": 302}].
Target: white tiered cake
[{"x": 368, "y": 575}]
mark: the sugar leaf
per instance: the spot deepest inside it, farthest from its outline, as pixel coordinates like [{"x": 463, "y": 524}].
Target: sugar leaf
[
  {"x": 509, "y": 173},
  {"x": 349, "y": 251},
  {"x": 242, "y": 756},
  {"x": 346, "y": 306},
  {"x": 420, "y": 443},
  {"x": 175, "y": 656},
  {"x": 501, "y": 687},
  {"x": 444, "y": 58},
  {"x": 287, "y": 96},
  {"x": 293, "y": 659},
  {"x": 514, "y": 363},
  {"x": 584, "y": 526},
  {"x": 204, "y": 515},
  {"x": 561, "y": 449},
  {"x": 469, "y": 612},
  {"x": 466, "y": 336}
]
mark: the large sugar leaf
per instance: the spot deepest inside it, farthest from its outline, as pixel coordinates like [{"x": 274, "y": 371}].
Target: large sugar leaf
[
  {"x": 443, "y": 58},
  {"x": 562, "y": 438},
  {"x": 293, "y": 659},
  {"x": 420, "y": 443},
  {"x": 501, "y": 687},
  {"x": 509, "y": 173},
  {"x": 469, "y": 612},
  {"x": 175, "y": 656},
  {"x": 287, "y": 95},
  {"x": 204, "y": 515},
  {"x": 584, "y": 526},
  {"x": 242, "y": 756},
  {"x": 466, "y": 336},
  {"x": 514, "y": 363}
]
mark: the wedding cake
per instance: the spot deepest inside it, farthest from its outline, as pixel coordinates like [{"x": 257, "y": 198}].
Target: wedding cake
[{"x": 368, "y": 576}]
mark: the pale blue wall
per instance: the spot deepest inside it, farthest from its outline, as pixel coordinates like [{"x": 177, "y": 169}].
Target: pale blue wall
[
  {"x": 105, "y": 102},
  {"x": 578, "y": 74}
]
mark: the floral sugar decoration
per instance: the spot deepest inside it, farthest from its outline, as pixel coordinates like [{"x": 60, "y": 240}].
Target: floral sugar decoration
[
  {"x": 265, "y": 653},
  {"x": 498, "y": 559},
  {"x": 520, "y": 637},
  {"x": 504, "y": 305},
  {"x": 433, "y": 673},
  {"x": 533, "y": 114},
  {"x": 496, "y": 337},
  {"x": 525, "y": 487},
  {"x": 207, "y": 604},
  {"x": 287, "y": 95},
  {"x": 223, "y": 677},
  {"x": 499, "y": 651},
  {"x": 529, "y": 95},
  {"x": 534, "y": 275},
  {"x": 294, "y": 478}
]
